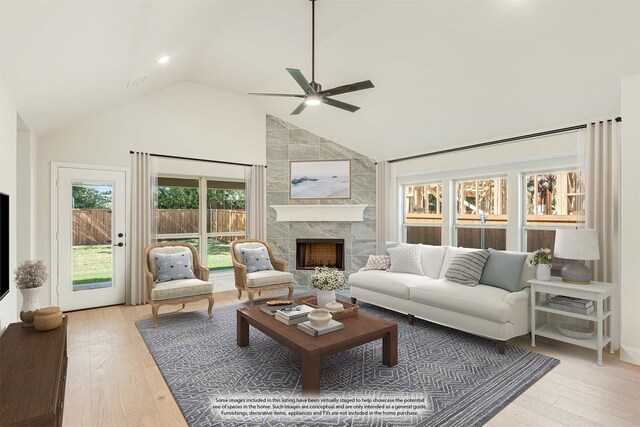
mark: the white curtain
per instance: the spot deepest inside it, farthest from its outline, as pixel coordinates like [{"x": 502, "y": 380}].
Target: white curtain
[
  {"x": 256, "y": 202},
  {"x": 387, "y": 204},
  {"x": 600, "y": 148},
  {"x": 143, "y": 190}
]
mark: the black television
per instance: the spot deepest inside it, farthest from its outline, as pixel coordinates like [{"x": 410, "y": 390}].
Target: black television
[{"x": 4, "y": 245}]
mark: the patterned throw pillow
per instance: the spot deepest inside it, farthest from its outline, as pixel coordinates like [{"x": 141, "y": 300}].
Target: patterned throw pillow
[
  {"x": 406, "y": 259},
  {"x": 174, "y": 266},
  {"x": 378, "y": 262},
  {"x": 256, "y": 259},
  {"x": 466, "y": 268}
]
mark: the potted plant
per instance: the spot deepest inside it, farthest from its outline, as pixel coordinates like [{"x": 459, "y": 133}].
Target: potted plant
[
  {"x": 542, "y": 261},
  {"x": 327, "y": 281},
  {"x": 29, "y": 278}
]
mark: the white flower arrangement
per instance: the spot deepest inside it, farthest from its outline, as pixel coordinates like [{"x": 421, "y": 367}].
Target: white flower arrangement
[
  {"x": 540, "y": 256},
  {"x": 327, "y": 279}
]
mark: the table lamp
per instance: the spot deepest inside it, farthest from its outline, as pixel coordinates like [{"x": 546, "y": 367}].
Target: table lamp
[{"x": 576, "y": 245}]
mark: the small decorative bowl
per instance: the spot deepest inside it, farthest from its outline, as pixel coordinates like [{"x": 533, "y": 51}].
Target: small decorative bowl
[
  {"x": 334, "y": 306},
  {"x": 319, "y": 317},
  {"x": 47, "y": 318}
]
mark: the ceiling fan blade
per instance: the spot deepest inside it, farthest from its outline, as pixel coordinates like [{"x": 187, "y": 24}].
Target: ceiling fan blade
[
  {"x": 300, "y": 108},
  {"x": 301, "y": 80},
  {"x": 277, "y": 94},
  {"x": 340, "y": 104},
  {"x": 347, "y": 88}
]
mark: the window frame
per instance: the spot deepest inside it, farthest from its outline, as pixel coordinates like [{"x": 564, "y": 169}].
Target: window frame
[
  {"x": 203, "y": 235},
  {"x": 453, "y": 203},
  {"x": 405, "y": 207}
]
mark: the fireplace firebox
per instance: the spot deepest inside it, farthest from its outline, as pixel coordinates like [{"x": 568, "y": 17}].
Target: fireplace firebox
[{"x": 312, "y": 253}]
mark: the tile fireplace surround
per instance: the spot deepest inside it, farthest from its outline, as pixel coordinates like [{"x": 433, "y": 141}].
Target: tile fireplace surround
[{"x": 286, "y": 142}]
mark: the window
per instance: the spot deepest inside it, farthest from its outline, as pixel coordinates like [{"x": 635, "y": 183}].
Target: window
[
  {"x": 481, "y": 213},
  {"x": 209, "y": 221},
  {"x": 553, "y": 200},
  {"x": 423, "y": 214}
]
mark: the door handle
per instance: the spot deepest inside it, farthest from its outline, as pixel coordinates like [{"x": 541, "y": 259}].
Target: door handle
[{"x": 119, "y": 244}]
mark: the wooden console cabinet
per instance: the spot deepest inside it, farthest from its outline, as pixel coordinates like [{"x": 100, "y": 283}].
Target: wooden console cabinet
[{"x": 33, "y": 370}]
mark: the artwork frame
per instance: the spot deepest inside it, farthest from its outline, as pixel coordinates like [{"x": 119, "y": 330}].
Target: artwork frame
[{"x": 320, "y": 179}]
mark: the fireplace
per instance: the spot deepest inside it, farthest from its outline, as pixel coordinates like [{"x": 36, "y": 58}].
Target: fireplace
[{"x": 312, "y": 253}]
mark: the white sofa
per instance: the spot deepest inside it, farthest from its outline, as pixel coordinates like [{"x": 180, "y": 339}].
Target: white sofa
[{"x": 482, "y": 310}]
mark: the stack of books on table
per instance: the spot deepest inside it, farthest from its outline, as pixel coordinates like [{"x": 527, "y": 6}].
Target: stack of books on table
[
  {"x": 314, "y": 331},
  {"x": 271, "y": 309},
  {"x": 574, "y": 305},
  {"x": 293, "y": 315}
]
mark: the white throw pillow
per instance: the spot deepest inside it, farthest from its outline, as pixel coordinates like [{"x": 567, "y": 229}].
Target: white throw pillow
[
  {"x": 406, "y": 259},
  {"x": 378, "y": 262}
]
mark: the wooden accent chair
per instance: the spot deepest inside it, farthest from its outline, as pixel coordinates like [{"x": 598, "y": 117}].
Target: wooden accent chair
[
  {"x": 259, "y": 281},
  {"x": 175, "y": 291}
]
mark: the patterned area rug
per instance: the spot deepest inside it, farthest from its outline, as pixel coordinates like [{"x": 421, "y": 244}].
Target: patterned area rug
[{"x": 459, "y": 378}]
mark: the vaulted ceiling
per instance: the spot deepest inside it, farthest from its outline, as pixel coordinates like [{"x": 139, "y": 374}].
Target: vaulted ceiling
[{"x": 446, "y": 72}]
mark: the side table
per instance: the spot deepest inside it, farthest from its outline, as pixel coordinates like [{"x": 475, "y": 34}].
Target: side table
[{"x": 597, "y": 292}]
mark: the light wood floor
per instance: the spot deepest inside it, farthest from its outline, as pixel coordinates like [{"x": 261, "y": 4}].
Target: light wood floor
[{"x": 112, "y": 379}]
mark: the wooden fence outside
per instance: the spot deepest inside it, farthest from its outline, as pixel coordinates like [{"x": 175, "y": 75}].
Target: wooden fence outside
[{"x": 93, "y": 226}]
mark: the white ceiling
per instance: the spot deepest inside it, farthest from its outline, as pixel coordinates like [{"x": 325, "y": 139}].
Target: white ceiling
[{"x": 446, "y": 72}]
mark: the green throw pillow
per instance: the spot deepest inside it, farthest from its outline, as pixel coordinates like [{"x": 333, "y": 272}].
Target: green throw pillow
[{"x": 503, "y": 270}]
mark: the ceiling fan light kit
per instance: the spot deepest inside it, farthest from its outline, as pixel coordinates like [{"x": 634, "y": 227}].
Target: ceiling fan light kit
[{"x": 313, "y": 93}]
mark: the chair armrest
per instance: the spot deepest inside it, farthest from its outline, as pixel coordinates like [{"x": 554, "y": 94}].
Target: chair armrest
[
  {"x": 279, "y": 264},
  {"x": 202, "y": 273},
  {"x": 150, "y": 283},
  {"x": 240, "y": 275}
]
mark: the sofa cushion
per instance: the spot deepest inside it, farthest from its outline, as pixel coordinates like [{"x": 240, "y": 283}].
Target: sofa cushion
[
  {"x": 466, "y": 268},
  {"x": 503, "y": 270},
  {"x": 431, "y": 260},
  {"x": 378, "y": 262},
  {"x": 173, "y": 266},
  {"x": 180, "y": 289},
  {"x": 256, "y": 259},
  {"x": 268, "y": 277},
  {"x": 392, "y": 284},
  {"x": 449, "y": 256},
  {"x": 485, "y": 302},
  {"x": 406, "y": 259}
]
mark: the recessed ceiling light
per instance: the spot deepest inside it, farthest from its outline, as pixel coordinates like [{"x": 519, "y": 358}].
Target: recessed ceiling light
[{"x": 163, "y": 60}]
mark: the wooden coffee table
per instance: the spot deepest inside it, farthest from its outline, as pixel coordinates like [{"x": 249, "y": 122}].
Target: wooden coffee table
[{"x": 358, "y": 330}]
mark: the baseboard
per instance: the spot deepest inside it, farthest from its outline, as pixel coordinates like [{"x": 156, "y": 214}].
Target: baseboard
[{"x": 630, "y": 354}]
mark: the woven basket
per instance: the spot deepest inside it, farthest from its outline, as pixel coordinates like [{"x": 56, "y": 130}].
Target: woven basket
[
  {"x": 47, "y": 318},
  {"x": 348, "y": 310}
]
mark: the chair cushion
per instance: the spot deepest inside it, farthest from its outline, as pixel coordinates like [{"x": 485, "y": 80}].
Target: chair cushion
[
  {"x": 378, "y": 262},
  {"x": 466, "y": 268},
  {"x": 246, "y": 245},
  {"x": 406, "y": 259},
  {"x": 173, "y": 266},
  {"x": 485, "y": 302},
  {"x": 180, "y": 289},
  {"x": 268, "y": 277},
  {"x": 503, "y": 270},
  {"x": 256, "y": 259},
  {"x": 392, "y": 284},
  {"x": 165, "y": 250}
]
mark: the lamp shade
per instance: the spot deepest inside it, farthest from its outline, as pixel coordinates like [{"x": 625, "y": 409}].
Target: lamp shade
[{"x": 581, "y": 244}]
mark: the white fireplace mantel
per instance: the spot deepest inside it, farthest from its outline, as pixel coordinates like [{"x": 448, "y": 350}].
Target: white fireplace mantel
[{"x": 309, "y": 213}]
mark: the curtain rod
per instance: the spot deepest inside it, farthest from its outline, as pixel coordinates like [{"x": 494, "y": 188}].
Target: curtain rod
[
  {"x": 167, "y": 156},
  {"x": 497, "y": 141}
]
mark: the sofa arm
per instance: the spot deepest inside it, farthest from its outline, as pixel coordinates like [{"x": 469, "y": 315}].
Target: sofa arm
[{"x": 514, "y": 297}]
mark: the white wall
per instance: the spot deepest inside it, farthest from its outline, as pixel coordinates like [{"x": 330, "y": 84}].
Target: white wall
[
  {"x": 630, "y": 229},
  {"x": 8, "y": 138},
  {"x": 557, "y": 151},
  {"x": 26, "y": 200},
  {"x": 184, "y": 119}
]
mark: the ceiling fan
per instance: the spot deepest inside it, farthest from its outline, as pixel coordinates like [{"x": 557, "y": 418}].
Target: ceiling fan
[{"x": 313, "y": 93}]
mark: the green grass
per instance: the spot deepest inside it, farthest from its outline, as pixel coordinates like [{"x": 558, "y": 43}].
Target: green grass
[{"x": 92, "y": 263}]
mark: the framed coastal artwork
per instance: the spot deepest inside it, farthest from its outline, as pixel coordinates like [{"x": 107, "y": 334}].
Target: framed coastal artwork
[{"x": 320, "y": 179}]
